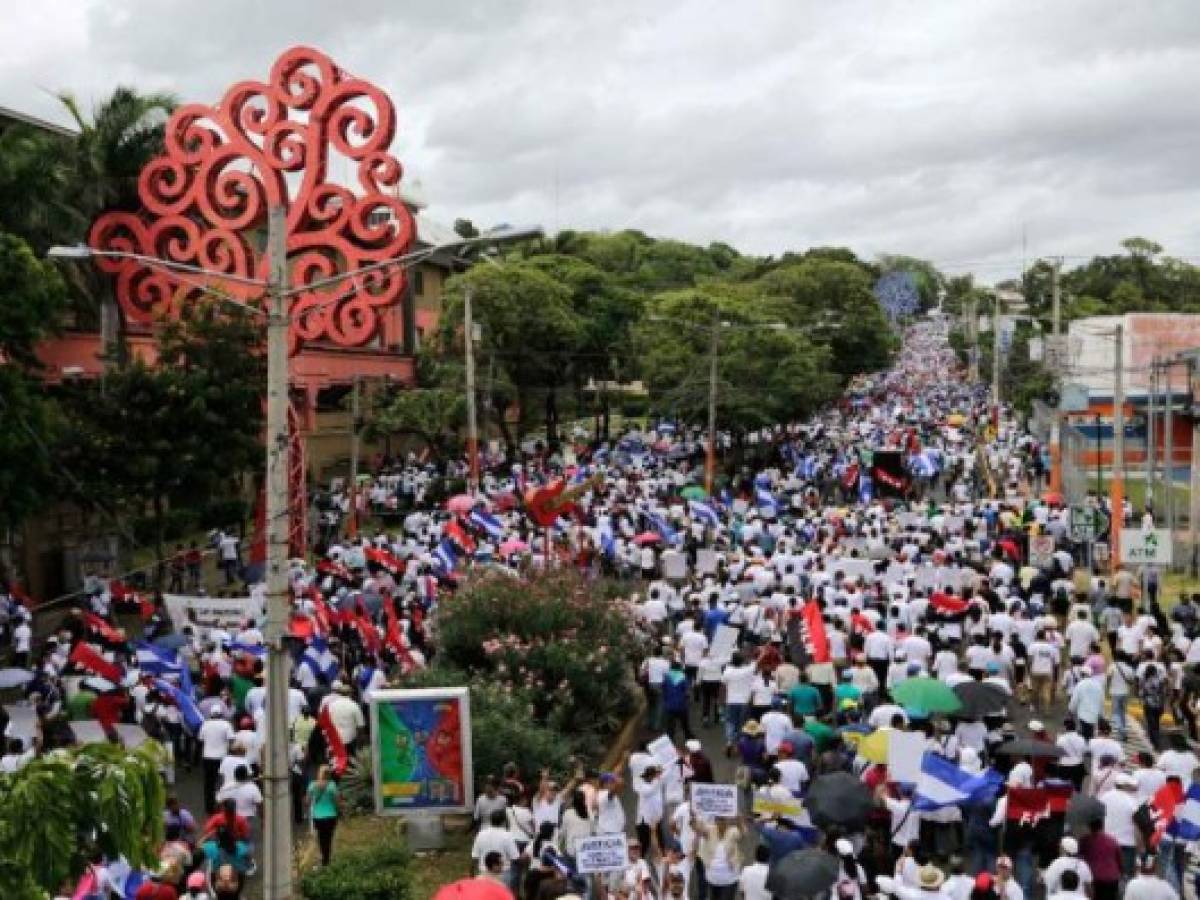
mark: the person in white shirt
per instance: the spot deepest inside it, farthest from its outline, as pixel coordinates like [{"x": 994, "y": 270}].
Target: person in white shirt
[
  {"x": 1120, "y": 804},
  {"x": 738, "y": 679},
  {"x": 215, "y": 736},
  {"x": 495, "y": 837},
  {"x": 345, "y": 714},
  {"x": 1071, "y": 887},
  {"x": 1081, "y": 634},
  {"x": 1179, "y": 760},
  {"x": 245, "y": 794},
  {"x": 753, "y": 880},
  {"x": 1068, "y": 862},
  {"x": 1147, "y": 885}
]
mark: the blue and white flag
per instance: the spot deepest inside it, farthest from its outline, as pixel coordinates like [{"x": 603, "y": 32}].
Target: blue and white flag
[
  {"x": 1186, "y": 826},
  {"x": 487, "y": 523},
  {"x": 125, "y": 880},
  {"x": 608, "y": 543},
  {"x": 318, "y": 657},
  {"x": 659, "y": 524},
  {"x": 942, "y": 783},
  {"x": 188, "y": 710},
  {"x": 923, "y": 465},
  {"x": 866, "y": 488},
  {"x": 704, "y": 512},
  {"x": 445, "y": 557},
  {"x": 764, "y": 500},
  {"x": 762, "y": 480},
  {"x": 258, "y": 650},
  {"x": 157, "y": 660}
]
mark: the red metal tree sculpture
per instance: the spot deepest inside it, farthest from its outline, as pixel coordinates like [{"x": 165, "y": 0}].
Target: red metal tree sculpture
[{"x": 205, "y": 203}]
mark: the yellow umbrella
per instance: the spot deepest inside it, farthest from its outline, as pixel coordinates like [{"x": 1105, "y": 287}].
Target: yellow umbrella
[
  {"x": 874, "y": 747},
  {"x": 956, "y": 419}
]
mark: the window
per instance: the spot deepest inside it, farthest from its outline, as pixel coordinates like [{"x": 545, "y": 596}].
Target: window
[
  {"x": 418, "y": 281},
  {"x": 379, "y": 216}
]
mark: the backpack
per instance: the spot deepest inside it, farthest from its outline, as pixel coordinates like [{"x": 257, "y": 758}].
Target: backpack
[{"x": 1153, "y": 691}]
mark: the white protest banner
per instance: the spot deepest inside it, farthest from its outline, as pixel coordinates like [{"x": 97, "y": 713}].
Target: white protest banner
[
  {"x": 724, "y": 642},
  {"x": 663, "y": 750},
  {"x": 715, "y": 799},
  {"x": 674, "y": 565},
  {"x": 603, "y": 853},
  {"x": 210, "y": 612},
  {"x": 706, "y": 562},
  {"x": 905, "y": 749}
]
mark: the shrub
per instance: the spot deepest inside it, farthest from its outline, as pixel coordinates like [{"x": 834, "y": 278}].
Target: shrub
[
  {"x": 557, "y": 641},
  {"x": 380, "y": 873}
]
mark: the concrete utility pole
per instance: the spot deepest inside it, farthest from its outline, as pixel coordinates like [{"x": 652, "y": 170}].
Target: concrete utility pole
[
  {"x": 973, "y": 339},
  {"x": 1194, "y": 479},
  {"x": 469, "y": 365},
  {"x": 996, "y": 357},
  {"x": 710, "y": 456},
  {"x": 1116, "y": 485},
  {"x": 1150, "y": 403},
  {"x": 355, "y": 415},
  {"x": 1169, "y": 446},
  {"x": 277, "y": 806},
  {"x": 1056, "y": 479}
]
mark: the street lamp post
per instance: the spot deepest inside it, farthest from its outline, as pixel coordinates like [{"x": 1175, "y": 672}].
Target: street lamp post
[{"x": 277, "y": 824}]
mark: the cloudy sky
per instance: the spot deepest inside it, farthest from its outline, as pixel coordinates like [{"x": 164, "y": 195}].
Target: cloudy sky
[{"x": 972, "y": 133}]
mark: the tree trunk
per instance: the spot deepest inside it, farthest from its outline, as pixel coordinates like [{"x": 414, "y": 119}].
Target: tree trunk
[
  {"x": 551, "y": 418},
  {"x": 510, "y": 446},
  {"x": 159, "y": 542}
]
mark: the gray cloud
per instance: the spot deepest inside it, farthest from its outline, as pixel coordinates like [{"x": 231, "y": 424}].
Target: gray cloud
[{"x": 941, "y": 129}]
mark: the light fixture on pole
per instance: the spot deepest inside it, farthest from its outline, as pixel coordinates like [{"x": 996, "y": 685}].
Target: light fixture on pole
[{"x": 277, "y": 823}]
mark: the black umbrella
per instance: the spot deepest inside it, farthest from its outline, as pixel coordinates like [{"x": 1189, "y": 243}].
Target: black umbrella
[
  {"x": 980, "y": 699},
  {"x": 803, "y": 873},
  {"x": 1029, "y": 747},
  {"x": 1082, "y": 810},
  {"x": 839, "y": 799}
]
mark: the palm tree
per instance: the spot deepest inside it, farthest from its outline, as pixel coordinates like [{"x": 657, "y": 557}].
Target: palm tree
[{"x": 103, "y": 164}]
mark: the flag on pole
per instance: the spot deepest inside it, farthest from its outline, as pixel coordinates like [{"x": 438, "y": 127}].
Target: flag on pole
[
  {"x": 659, "y": 524},
  {"x": 458, "y": 535},
  {"x": 102, "y": 628},
  {"x": 445, "y": 557},
  {"x": 337, "y": 749},
  {"x": 188, "y": 710},
  {"x": 85, "y": 657},
  {"x": 942, "y": 783},
  {"x": 764, "y": 500},
  {"x": 812, "y": 632},
  {"x": 318, "y": 657},
  {"x": 1186, "y": 824},
  {"x": 487, "y": 523},
  {"x": 704, "y": 512},
  {"x": 155, "y": 660}
]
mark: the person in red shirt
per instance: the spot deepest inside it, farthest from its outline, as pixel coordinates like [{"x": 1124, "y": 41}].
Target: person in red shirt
[
  {"x": 1103, "y": 855},
  {"x": 156, "y": 890},
  {"x": 227, "y": 816}
]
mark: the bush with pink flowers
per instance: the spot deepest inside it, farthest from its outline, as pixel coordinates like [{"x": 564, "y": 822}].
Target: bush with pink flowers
[{"x": 564, "y": 644}]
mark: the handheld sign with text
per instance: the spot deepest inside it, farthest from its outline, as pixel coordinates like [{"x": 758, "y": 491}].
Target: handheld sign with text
[
  {"x": 715, "y": 799},
  {"x": 603, "y": 853},
  {"x": 663, "y": 750}
]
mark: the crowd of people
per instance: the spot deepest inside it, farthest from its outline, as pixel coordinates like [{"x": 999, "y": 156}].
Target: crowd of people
[{"x": 804, "y": 610}]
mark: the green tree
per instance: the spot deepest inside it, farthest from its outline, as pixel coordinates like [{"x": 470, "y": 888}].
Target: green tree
[
  {"x": 101, "y": 170},
  {"x": 33, "y": 299},
  {"x": 434, "y": 409},
  {"x": 32, "y": 180},
  {"x": 176, "y": 433},
  {"x": 59, "y": 809},
  {"x": 765, "y": 375},
  {"x": 529, "y": 329},
  {"x": 928, "y": 279},
  {"x": 833, "y": 301}
]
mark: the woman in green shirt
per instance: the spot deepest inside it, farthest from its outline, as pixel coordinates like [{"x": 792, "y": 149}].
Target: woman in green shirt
[{"x": 323, "y": 807}]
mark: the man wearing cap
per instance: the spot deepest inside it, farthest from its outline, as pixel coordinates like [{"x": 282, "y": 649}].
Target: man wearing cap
[
  {"x": 1069, "y": 861},
  {"x": 1120, "y": 803}
]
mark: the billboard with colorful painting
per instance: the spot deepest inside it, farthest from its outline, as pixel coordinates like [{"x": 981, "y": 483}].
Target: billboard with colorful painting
[{"x": 421, "y": 751}]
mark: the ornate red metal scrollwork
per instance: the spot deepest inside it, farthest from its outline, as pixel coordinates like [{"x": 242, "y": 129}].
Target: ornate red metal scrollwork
[{"x": 205, "y": 202}]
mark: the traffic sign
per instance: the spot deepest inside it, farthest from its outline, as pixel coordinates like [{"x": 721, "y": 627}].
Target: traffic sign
[
  {"x": 1147, "y": 547},
  {"x": 1041, "y": 551}
]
